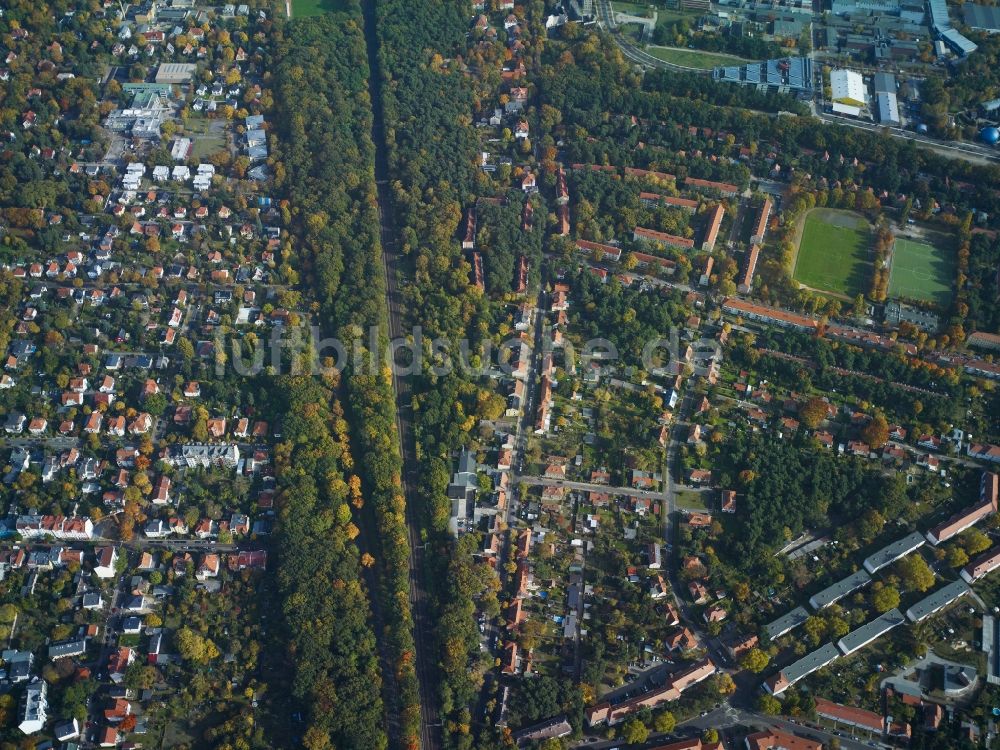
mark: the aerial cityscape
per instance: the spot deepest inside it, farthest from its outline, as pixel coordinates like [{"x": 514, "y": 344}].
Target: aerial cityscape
[{"x": 494, "y": 374}]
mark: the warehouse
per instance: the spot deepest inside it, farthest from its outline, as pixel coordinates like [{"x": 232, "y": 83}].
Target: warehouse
[
  {"x": 888, "y": 108},
  {"x": 175, "y": 72},
  {"x": 982, "y": 17},
  {"x": 847, "y": 87}
]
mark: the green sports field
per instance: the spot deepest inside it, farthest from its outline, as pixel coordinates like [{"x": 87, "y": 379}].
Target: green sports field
[
  {"x": 305, "y": 8},
  {"x": 835, "y": 253},
  {"x": 921, "y": 271}
]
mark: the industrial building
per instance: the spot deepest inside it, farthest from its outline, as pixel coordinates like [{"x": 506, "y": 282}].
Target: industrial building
[
  {"x": 887, "y": 108},
  {"x": 176, "y": 73},
  {"x": 853, "y": 7},
  {"x": 941, "y": 25},
  {"x": 982, "y": 17},
  {"x": 847, "y": 87},
  {"x": 990, "y": 632},
  {"x": 788, "y": 75}
]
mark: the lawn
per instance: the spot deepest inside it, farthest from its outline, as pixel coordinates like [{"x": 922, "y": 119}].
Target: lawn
[
  {"x": 206, "y": 145},
  {"x": 633, "y": 9},
  {"x": 663, "y": 15},
  {"x": 690, "y": 500},
  {"x": 692, "y": 58},
  {"x": 304, "y": 8},
  {"x": 921, "y": 271},
  {"x": 835, "y": 253}
]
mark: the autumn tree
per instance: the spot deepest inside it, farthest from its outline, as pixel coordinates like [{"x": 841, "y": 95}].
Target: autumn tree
[
  {"x": 914, "y": 573},
  {"x": 755, "y": 660},
  {"x": 876, "y": 432},
  {"x": 813, "y": 412},
  {"x": 884, "y": 598}
]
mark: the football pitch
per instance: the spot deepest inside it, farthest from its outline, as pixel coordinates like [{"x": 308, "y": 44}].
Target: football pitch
[
  {"x": 835, "y": 253},
  {"x": 921, "y": 271}
]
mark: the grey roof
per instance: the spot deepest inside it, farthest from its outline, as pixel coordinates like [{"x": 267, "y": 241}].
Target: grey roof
[
  {"x": 939, "y": 13},
  {"x": 884, "y": 82},
  {"x": 810, "y": 663},
  {"x": 937, "y": 601},
  {"x": 957, "y": 42},
  {"x": 870, "y": 631},
  {"x": 92, "y": 599},
  {"x": 786, "y": 623},
  {"x": 557, "y": 726},
  {"x": 68, "y": 729},
  {"x": 18, "y": 664},
  {"x": 67, "y": 648},
  {"x": 131, "y": 623},
  {"x": 981, "y": 16},
  {"x": 840, "y": 589},
  {"x": 890, "y": 553},
  {"x": 888, "y": 107}
]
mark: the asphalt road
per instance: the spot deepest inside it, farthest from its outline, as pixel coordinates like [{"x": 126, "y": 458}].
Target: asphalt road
[{"x": 587, "y": 486}]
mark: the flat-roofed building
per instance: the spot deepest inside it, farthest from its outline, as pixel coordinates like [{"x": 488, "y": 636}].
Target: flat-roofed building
[
  {"x": 780, "y": 682},
  {"x": 888, "y": 108},
  {"x": 847, "y": 87},
  {"x": 175, "y": 72},
  {"x": 982, "y": 17},
  {"x": 937, "y": 601},
  {"x": 884, "y": 83},
  {"x": 786, "y": 623},
  {"x": 870, "y": 631},
  {"x": 892, "y": 552},
  {"x": 990, "y": 649},
  {"x": 839, "y": 590}
]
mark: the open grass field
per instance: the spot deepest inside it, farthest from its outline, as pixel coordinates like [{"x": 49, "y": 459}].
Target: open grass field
[
  {"x": 305, "y": 8},
  {"x": 663, "y": 15},
  {"x": 692, "y": 500},
  {"x": 835, "y": 253},
  {"x": 921, "y": 271},
  {"x": 692, "y": 58}
]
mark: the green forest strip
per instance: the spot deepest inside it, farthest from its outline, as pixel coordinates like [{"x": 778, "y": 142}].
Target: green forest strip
[
  {"x": 326, "y": 172},
  {"x": 428, "y": 107}
]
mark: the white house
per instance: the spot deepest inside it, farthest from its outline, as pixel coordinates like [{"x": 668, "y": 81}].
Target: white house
[
  {"x": 107, "y": 557},
  {"x": 35, "y": 707}
]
